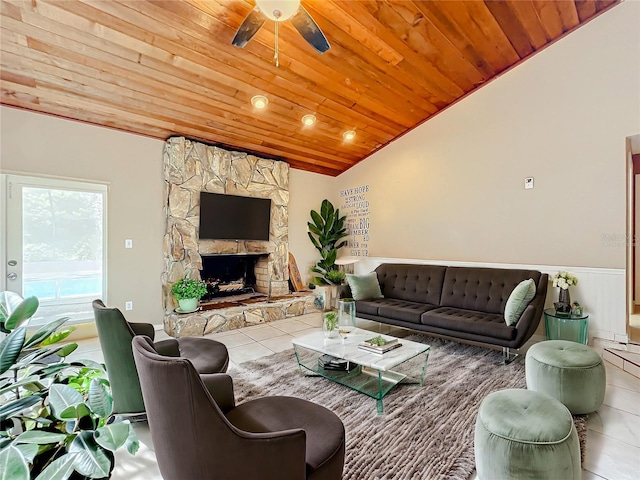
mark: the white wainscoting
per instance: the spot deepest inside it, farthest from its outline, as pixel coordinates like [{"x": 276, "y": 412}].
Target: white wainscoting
[{"x": 600, "y": 290}]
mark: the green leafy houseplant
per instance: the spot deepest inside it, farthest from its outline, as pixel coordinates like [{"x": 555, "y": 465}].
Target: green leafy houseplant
[
  {"x": 55, "y": 415},
  {"x": 330, "y": 324},
  {"x": 186, "y": 288},
  {"x": 326, "y": 230}
]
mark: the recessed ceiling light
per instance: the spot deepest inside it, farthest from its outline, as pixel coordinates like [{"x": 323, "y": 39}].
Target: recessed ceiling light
[
  {"x": 349, "y": 135},
  {"x": 309, "y": 119},
  {"x": 259, "y": 101}
]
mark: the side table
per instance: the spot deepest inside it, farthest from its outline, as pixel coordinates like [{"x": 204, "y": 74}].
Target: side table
[{"x": 566, "y": 326}]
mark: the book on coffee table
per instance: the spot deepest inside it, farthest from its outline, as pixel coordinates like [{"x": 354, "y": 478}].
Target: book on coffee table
[
  {"x": 329, "y": 362},
  {"x": 379, "y": 344}
]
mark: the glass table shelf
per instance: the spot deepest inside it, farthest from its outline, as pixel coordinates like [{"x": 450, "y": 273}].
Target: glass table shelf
[{"x": 375, "y": 374}]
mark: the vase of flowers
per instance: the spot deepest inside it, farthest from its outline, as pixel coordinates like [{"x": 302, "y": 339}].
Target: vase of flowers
[{"x": 564, "y": 280}]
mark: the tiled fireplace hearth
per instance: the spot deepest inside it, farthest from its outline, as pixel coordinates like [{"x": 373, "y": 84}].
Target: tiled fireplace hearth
[{"x": 190, "y": 167}]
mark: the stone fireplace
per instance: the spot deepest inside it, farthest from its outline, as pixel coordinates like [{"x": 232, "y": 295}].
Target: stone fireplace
[{"x": 191, "y": 167}]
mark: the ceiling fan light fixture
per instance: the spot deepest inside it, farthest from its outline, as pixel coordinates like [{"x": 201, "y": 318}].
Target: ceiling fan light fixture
[
  {"x": 349, "y": 135},
  {"x": 309, "y": 119},
  {"x": 278, "y": 10},
  {"x": 259, "y": 101}
]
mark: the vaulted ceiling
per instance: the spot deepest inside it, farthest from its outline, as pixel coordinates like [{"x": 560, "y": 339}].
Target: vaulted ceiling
[{"x": 164, "y": 68}]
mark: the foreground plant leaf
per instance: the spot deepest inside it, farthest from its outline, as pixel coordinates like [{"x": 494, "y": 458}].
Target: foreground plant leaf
[
  {"x": 40, "y": 437},
  {"x": 24, "y": 311},
  {"x": 132, "y": 444},
  {"x": 112, "y": 436},
  {"x": 100, "y": 401},
  {"x": 60, "y": 469},
  {"x": 13, "y": 465},
  {"x": 10, "y": 348},
  {"x": 90, "y": 459},
  {"x": 16, "y": 406},
  {"x": 28, "y": 450},
  {"x": 44, "y": 331},
  {"x": 58, "y": 336},
  {"x": 61, "y": 397},
  {"x": 66, "y": 350},
  {"x": 13, "y": 385}
]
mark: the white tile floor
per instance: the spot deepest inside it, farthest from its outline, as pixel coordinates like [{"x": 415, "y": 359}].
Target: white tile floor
[{"x": 613, "y": 440}]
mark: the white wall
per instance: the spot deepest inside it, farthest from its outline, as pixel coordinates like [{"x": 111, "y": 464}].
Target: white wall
[
  {"x": 306, "y": 190},
  {"x": 37, "y": 144},
  {"x": 453, "y": 187}
]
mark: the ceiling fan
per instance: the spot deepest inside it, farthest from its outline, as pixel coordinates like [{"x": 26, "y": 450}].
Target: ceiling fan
[{"x": 280, "y": 11}]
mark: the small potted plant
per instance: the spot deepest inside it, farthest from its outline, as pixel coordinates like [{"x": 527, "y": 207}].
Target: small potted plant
[
  {"x": 330, "y": 324},
  {"x": 188, "y": 291}
]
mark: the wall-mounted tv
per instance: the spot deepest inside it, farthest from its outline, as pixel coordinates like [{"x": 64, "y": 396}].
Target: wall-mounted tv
[{"x": 230, "y": 217}]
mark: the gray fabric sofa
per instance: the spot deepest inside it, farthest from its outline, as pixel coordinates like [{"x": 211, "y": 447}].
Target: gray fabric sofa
[{"x": 464, "y": 303}]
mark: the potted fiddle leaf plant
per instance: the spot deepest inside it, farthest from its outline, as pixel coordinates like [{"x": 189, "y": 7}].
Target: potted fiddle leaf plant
[
  {"x": 56, "y": 417},
  {"x": 326, "y": 231},
  {"x": 188, "y": 291}
]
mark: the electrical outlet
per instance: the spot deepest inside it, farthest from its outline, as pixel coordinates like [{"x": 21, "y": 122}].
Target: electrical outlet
[
  {"x": 128, "y": 243},
  {"x": 528, "y": 183},
  {"x": 128, "y": 305}
]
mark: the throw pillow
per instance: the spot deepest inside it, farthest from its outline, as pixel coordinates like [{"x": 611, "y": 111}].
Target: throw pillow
[
  {"x": 518, "y": 301},
  {"x": 364, "y": 287}
]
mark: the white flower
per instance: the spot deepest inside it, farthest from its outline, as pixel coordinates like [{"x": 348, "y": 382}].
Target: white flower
[{"x": 564, "y": 280}]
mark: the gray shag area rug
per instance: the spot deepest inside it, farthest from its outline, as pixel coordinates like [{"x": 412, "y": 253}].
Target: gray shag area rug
[{"x": 425, "y": 433}]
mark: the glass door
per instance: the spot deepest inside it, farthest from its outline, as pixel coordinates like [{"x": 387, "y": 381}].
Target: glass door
[{"x": 55, "y": 244}]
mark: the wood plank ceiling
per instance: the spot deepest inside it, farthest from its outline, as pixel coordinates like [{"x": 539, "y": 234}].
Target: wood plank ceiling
[{"x": 163, "y": 68}]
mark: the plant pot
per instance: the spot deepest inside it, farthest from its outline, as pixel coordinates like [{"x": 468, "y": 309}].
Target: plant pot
[{"x": 188, "y": 304}]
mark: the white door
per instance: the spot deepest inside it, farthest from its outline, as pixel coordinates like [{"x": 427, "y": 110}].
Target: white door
[{"x": 55, "y": 248}]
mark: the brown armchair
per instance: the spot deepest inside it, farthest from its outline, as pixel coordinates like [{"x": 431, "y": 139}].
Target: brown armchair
[
  {"x": 199, "y": 433},
  {"x": 115, "y": 335}
]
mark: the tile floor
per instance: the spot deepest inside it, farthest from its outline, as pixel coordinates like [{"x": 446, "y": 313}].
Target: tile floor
[{"x": 613, "y": 440}]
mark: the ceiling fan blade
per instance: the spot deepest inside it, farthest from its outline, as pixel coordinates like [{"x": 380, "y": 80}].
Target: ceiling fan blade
[
  {"x": 309, "y": 29},
  {"x": 249, "y": 28}
]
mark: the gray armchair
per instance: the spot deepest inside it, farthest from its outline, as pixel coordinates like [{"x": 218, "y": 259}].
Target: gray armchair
[
  {"x": 200, "y": 433},
  {"x": 115, "y": 335}
]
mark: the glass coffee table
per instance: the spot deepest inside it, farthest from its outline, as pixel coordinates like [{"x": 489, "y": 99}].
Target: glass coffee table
[{"x": 373, "y": 374}]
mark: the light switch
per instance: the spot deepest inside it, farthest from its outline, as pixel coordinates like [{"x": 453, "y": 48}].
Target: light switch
[
  {"x": 128, "y": 305},
  {"x": 528, "y": 183},
  {"x": 128, "y": 243}
]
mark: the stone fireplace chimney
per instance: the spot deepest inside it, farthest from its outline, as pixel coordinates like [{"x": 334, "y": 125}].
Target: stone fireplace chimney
[{"x": 191, "y": 167}]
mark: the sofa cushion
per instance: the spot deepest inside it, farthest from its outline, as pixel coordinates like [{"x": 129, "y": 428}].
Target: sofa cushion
[
  {"x": 364, "y": 287},
  {"x": 518, "y": 301},
  {"x": 403, "y": 310},
  {"x": 482, "y": 289},
  {"x": 413, "y": 283},
  {"x": 369, "y": 307},
  {"x": 468, "y": 321}
]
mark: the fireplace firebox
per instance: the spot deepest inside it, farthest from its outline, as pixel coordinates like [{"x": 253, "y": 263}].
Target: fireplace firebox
[{"x": 228, "y": 275}]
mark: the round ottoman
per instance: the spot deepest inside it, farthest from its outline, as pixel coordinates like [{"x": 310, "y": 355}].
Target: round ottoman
[
  {"x": 569, "y": 372},
  {"x": 525, "y": 435}
]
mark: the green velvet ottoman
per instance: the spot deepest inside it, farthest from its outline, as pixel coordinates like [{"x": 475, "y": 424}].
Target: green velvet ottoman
[
  {"x": 569, "y": 372},
  {"x": 525, "y": 435}
]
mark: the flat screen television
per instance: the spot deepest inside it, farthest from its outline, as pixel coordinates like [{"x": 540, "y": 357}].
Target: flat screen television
[{"x": 230, "y": 217}]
